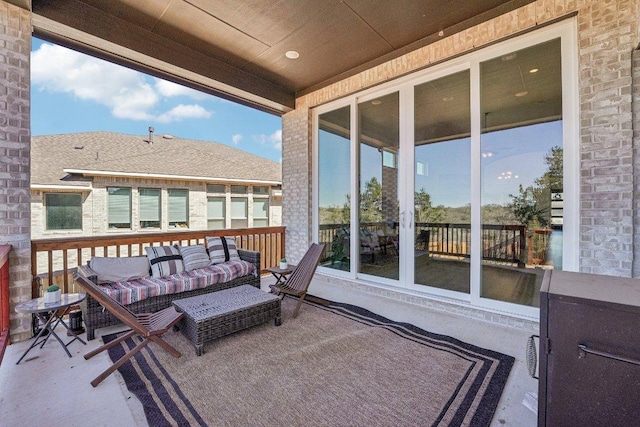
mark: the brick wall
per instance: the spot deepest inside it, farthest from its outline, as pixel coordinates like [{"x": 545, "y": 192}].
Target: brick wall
[
  {"x": 635, "y": 57},
  {"x": 608, "y": 32},
  {"x": 296, "y": 184},
  {"x": 15, "y": 47}
]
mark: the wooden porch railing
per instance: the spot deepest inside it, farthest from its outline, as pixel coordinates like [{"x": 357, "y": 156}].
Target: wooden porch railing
[
  {"x": 4, "y": 299},
  {"x": 502, "y": 243},
  {"x": 53, "y": 261}
]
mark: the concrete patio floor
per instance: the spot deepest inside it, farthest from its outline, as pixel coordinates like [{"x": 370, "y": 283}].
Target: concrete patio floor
[{"x": 50, "y": 388}]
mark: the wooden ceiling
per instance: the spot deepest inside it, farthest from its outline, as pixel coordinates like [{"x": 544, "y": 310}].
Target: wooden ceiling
[{"x": 242, "y": 44}]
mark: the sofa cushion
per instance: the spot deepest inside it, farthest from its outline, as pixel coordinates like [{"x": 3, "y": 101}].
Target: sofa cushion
[
  {"x": 194, "y": 257},
  {"x": 130, "y": 291},
  {"x": 222, "y": 249},
  {"x": 164, "y": 260},
  {"x": 115, "y": 269}
]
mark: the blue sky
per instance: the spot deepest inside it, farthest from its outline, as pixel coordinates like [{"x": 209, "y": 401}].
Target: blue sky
[{"x": 73, "y": 92}]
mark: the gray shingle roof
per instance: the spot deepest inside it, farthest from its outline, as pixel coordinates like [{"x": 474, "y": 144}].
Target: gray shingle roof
[{"x": 115, "y": 152}]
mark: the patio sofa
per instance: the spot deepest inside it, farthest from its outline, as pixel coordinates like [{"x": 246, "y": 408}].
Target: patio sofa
[{"x": 150, "y": 283}]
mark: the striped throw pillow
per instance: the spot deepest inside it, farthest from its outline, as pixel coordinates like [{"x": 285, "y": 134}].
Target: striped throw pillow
[
  {"x": 194, "y": 257},
  {"x": 222, "y": 249},
  {"x": 164, "y": 260}
]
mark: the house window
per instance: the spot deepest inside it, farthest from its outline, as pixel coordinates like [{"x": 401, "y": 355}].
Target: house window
[
  {"x": 63, "y": 211},
  {"x": 149, "y": 207},
  {"x": 119, "y": 207},
  {"x": 261, "y": 212},
  {"x": 215, "y": 213},
  {"x": 388, "y": 159},
  {"x": 216, "y": 188},
  {"x": 261, "y": 190},
  {"x": 238, "y": 189},
  {"x": 178, "y": 208},
  {"x": 239, "y": 212}
]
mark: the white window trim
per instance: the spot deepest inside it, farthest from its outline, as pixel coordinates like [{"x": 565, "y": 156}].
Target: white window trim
[{"x": 567, "y": 32}]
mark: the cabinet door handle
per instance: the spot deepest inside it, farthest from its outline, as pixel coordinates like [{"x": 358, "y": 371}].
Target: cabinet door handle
[
  {"x": 532, "y": 356},
  {"x": 583, "y": 350}
]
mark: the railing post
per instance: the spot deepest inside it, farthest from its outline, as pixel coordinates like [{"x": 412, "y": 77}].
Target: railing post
[{"x": 4, "y": 299}]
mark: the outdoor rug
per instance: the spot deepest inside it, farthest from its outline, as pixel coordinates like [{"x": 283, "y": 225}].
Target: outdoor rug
[{"x": 334, "y": 365}]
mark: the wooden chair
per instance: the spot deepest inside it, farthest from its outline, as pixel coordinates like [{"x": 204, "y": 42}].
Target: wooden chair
[
  {"x": 298, "y": 281},
  {"x": 150, "y": 326}
]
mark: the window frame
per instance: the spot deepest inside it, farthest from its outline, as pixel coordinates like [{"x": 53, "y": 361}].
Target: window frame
[
  {"x": 109, "y": 207},
  {"x": 173, "y": 224},
  {"x": 46, "y": 210}
]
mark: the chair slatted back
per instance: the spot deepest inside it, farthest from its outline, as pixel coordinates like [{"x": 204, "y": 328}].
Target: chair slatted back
[
  {"x": 301, "y": 276},
  {"x": 113, "y": 306}
]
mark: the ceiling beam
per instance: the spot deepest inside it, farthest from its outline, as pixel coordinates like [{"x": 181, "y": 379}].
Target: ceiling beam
[{"x": 78, "y": 26}]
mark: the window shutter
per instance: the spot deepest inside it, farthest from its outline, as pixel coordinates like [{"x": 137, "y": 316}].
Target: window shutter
[
  {"x": 178, "y": 206},
  {"x": 149, "y": 204},
  {"x": 119, "y": 205}
]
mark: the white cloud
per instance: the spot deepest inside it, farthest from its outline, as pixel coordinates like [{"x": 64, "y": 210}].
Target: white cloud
[
  {"x": 181, "y": 112},
  {"x": 273, "y": 140},
  {"x": 170, "y": 89},
  {"x": 124, "y": 91},
  {"x": 236, "y": 138}
]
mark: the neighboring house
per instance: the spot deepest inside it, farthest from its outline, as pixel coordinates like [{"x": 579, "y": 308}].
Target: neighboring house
[{"x": 96, "y": 183}]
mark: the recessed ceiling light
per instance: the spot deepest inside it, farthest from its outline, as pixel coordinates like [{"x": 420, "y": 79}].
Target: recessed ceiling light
[
  {"x": 533, "y": 70},
  {"x": 447, "y": 98},
  {"x": 509, "y": 57},
  {"x": 376, "y": 102},
  {"x": 292, "y": 54},
  {"x": 523, "y": 93}
]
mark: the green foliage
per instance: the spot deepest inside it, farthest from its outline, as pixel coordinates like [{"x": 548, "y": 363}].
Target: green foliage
[
  {"x": 526, "y": 208},
  {"x": 53, "y": 288},
  {"x": 532, "y": 206},
  {"x": 371, "y": 201},
  {"x": 425, "y": 211}
]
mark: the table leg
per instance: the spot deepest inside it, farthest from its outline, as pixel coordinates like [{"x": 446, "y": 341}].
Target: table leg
[
  {"x": 73, "y": 334},
  {"x": 44, "y": 328},
  {"x": 52, "y": 331}
]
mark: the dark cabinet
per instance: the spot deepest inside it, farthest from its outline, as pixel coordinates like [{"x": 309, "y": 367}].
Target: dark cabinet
[{"x": 589, "y": 350}]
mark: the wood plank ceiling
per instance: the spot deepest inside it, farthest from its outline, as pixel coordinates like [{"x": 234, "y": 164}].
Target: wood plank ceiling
[{"x": 243, "y": 43}]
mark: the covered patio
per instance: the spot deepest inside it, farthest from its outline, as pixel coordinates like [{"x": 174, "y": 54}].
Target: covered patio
[
  {"x": 325, "y": 67},
  {"x": 49, "y": 367}
]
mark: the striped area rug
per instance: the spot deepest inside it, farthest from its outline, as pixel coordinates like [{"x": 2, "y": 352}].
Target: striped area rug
[{"x": 334, "y": 365}]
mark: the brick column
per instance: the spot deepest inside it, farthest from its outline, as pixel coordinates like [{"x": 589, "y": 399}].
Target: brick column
[
  {"x": 608, "y": 33},
  {"x": 635, "y": 61},
  {"x": 15, "y": 134},
  {"x": 296, "y": 181}
]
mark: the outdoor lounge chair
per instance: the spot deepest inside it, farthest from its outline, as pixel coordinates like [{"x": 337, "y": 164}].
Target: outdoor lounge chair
[
  {"x": 298, "y": 282},
  {"x": 150, "y": 326}
]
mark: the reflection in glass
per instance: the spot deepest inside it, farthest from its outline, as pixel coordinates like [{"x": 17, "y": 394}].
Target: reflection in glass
[
  {"x": 442, "y": 183},
  {"x": 334, "y": 180},
  {"x": 521, "y": 172},
  {"x": 378, "y": 200}
]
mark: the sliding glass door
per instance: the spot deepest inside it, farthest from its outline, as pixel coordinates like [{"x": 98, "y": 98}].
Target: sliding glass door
[
  {"x": 455, "y": 182},
  {"x": 442, "y": 180},
  {"x": 522, "y": 172},
  {"x": 378, "y": 205}
]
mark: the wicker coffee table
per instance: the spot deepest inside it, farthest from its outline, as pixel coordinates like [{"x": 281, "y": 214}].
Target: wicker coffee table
[{"x": 216, "y": 314}]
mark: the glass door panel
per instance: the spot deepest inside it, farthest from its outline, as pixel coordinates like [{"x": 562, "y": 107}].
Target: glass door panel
[
  {"x": 521, "y": 172},
  {"x": 442, "y": 186},
  {"x": 334, "y": 183},
  {"x": 378, "y": 239}
]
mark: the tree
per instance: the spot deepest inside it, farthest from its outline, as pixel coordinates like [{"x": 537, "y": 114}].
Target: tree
[
  {"x": 371, "y": 201},
  {"x": 526, "y": 209},
  {"x": 425, "y": 212}
]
